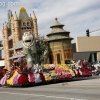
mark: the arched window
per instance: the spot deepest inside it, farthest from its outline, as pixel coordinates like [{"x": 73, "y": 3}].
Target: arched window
[
  {"x": 24, "y": 23},
  {"x": 28, "y": 23}
]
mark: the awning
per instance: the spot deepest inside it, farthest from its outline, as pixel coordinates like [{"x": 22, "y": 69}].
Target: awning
[
  {"x": 18, "y": 45},
  {"x": 17, "y": 56}
]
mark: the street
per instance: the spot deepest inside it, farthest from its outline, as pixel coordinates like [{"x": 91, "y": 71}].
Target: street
[{"x": 87, "y": 89}]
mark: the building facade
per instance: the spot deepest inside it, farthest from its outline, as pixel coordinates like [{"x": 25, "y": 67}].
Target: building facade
[
  {"x": 89, "y": 45},
  {"x": 13, "y": 30}
]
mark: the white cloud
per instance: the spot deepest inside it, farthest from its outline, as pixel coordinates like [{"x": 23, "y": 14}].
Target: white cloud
[{"x": 76, "y": 15}]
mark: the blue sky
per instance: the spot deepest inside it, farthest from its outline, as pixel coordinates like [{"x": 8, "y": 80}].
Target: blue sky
[{"x": 76, "y": 15}]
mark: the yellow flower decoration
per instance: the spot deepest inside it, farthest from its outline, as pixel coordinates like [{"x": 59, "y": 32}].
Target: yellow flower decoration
[{"x": 10, "y": 81}]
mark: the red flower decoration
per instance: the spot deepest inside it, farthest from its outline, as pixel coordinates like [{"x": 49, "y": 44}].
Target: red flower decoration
[{"x": 23, "y": 79}]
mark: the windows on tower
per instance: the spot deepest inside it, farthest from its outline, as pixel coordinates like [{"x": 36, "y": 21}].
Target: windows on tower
[
  {"x": 28, "y": 24},
  {"x": 24, "y": 23}
]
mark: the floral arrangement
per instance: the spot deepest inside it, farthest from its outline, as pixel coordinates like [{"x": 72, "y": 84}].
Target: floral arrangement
[
  {"x": 2, "y": 72},
  {"x": 50, "y": 72}
]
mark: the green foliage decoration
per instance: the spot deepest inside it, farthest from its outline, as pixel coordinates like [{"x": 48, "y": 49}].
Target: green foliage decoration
[{"x": 41, "y": 45}]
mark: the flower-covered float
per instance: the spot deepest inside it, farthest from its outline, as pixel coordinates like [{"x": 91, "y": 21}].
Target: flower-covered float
[
  {"x": 24, "y": 75},
  {"x": 27, "y": 76},
  {"x": 29, "y": 71}
]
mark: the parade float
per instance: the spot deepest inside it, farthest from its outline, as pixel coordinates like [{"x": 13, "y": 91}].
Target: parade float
[
  {"x": 32, "y": 60},
  {"x": 31, "y": 69}
]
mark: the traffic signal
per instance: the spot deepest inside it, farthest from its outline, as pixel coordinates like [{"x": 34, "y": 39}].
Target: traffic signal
[{"x": 87, "y": 33}]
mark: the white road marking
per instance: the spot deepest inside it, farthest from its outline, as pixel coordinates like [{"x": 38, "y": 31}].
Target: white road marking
[{"x": 46, "y": 96}]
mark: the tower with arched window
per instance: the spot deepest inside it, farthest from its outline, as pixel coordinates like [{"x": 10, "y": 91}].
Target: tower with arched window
[{"x": 13, "y": 30}]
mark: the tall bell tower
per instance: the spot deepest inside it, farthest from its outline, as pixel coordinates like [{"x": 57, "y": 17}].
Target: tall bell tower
[{"x": 13, "y": 30}]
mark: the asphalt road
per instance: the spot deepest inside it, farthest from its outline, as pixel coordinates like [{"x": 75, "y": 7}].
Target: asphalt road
[{"x": 87, "y": 89}]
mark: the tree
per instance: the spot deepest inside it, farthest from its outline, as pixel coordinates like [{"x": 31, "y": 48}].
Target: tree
[{"x": 41, "y": 45}]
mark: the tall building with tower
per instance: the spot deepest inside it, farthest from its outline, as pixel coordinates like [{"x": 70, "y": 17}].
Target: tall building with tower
[{"x": 13, "y": 30}]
